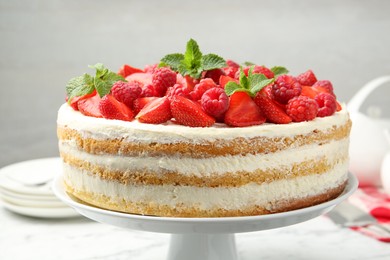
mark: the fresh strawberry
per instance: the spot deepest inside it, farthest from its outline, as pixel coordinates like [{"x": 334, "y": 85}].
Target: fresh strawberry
[
  {"x": 243, "y": 111},
  {"x": 338, "y": 106},
  {"x": 233, "y": 64},
  {"x": 189, "y": 113},
  {"x": 157, "y": 111},
  {"x": 75, "y": 100},
  {"x": 127, "y": 70},
  {"x": 266, "y": 91},
  {"x": 310, "y": 92},
  {"x": 215, "y": 74},
  {"x": 126, "y": 92},
  {"x": 139, "y": 103},
  {"x": 215, "y": 102},
  {"x": 258, "y": 70},
  {"x": 302, "y": 108},
  {"x": 186, "y": 81},
  {"x": 307, "y": 78},
  {"x": 223, "y": 80},
  {"x": 111, "y": 108},
  {"x": 272, "y": 111},
  {"x": 231, "y": 71},
  {"x": 202, "y": 87},
  {"x": 162, "y": 79},
  {"x": 144, "y": 78},
  {"x": 90, "y": 106}
]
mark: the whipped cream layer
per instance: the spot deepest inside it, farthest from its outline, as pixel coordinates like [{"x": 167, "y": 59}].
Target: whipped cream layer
[
  {"x": 134, "y": 131},
  {"x": 229, "y": 198},
  {"x": 332, "y": 152}
]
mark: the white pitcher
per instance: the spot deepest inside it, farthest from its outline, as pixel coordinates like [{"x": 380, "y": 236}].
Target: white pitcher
[{"x": 368, "y": 143}]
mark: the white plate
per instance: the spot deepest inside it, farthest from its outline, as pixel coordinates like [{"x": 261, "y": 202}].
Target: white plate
[
  {"x": 32, "y": 203},
  {"x": 41, "y": 212},
  {"x": 21, "y": 177},
  {"x": 23, "y": 196}
]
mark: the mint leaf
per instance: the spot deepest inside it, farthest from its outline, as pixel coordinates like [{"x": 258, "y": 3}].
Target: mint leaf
[
  {"x": 248, "y": 63},
  {"x": 244, "y": 82},
  {"x": 261, "y": 84},
  {"x": 172, "y": 60},
  {"x": 192, "y": 56},
  {"x": 212, "y": 61},
  {"x": 231, "y": 87},
  {"x": 79, "y": 86},
  {"x": 256, "y": 78},
  {"x": 104, "y": 79},
  {"x": 100, "y": 69},
  {"x": 278, "y": 70}
]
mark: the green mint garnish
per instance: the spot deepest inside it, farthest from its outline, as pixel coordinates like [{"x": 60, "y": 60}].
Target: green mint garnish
[
  {"x": 192, "y": 62},
  {"x": 250, "y": 84},
  {"x": 277, "y": 70},
  {"x": 86, "y": 84}
]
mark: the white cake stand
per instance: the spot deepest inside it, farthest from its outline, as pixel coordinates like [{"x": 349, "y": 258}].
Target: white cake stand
[{"x": 202, "y": 238}]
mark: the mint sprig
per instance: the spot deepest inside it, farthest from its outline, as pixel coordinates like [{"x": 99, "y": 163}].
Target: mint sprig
[
  {"x": 86, "y": 84},
  {"x": 250, "y": 84},
  {"x": 278, "y": 70},
  {"x": 192, "y": 62}
]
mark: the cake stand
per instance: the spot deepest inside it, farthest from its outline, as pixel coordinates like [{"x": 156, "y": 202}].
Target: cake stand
[{"x": 201, "y": 238}]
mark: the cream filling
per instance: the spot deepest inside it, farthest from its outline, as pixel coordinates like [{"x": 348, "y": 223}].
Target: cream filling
[
  {"x": 333, "y": 152},
  {"x": 100, "y": 128},
  {"x": 229, "y": 198}
]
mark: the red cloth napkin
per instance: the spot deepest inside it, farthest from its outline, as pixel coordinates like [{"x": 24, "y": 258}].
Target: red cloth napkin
[{"x": 376, "y": 202}]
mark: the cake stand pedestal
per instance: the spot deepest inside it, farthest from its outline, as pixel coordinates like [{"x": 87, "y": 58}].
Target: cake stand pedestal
[{"x": 202, "y": 238}]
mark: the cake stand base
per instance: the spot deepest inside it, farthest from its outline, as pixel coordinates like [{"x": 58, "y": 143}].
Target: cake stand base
[{"x": 201, "y": 238}]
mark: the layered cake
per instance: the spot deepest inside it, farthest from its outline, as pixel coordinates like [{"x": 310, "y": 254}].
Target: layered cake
[{"x": 198, "y": 136}]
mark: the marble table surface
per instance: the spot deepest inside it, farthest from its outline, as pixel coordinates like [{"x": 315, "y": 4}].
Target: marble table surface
[{"x": 80, "y": 238}]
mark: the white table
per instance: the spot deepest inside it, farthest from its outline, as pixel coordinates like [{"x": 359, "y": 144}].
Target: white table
[{"x": 79, "y": 238}]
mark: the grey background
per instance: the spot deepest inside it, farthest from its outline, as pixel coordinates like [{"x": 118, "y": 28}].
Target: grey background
[{"x": 45, "y": 43}]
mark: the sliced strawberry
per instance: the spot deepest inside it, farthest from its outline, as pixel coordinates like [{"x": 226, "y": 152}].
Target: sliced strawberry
[
  {"x": 272, "y": 111},
  {"x": 215, "y": 74},
  {"x": 338, "y": 107},
  {"x": 186, "y": 81},
  {"x": 90, "y": 106},
  {"x": 127, "y": 70},
  {"x": 155, "y": 112},
  {"x": 223, "y": 80},
  {"x": 144, "y": 78},
  {"x": 111, "y": 108},
  {"x": 74, "y": 102},
  {"x": 139, "y": 103},
  {"x": 310, "y": 92},
  {"x": 189, "y": 113},
  {"x": 243, "y": 111}
]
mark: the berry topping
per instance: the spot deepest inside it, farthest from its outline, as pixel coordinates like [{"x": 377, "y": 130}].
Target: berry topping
[
  {"x": 215, "y": 74},
  {"x": 260, "y": 70},
  {"x": 324, "y": 86},
  {"x": 151, "y": 68},
  {"x": 111, "y": 108},
  {"x": 149, "y": 91},
  {"x": 327, "y": 104},
  {"x": 285, "y": 88},
  {"x": 163, "y": 78},
  {"x": 243, "y": 111},
  {"x": 139, "y": 103},
  {"x": 231, "y": 71},
  {"x": 157, "y": 111},
  {"x": 126, "y": 92},
  {"x": 233, "y": 64},
  {"x": 144, "y": 78},
  {"x": 189, "y": 113},
  {"x": 308, "y": 91},
  {"x": 90, "y": 106},
  {"x": 302, "y": 108},
  {"x": 75, "y": 100},
  {"x": 178, "y": 90},
  {"x": 202, "y": 87},
  {"x": 272, "y": 111},
  {"x": 307, "y": 78},
  {"x": 223, "y": 80},
  {"x": 215, "y": 102},
  {"x": 127, "y": 70}
]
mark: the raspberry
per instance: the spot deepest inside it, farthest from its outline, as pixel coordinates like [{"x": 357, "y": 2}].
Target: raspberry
[
  {"x": 302, "y": 108},
  {"x": 324, "y": 86},
  {"x": 233, "y": 64},
  {"x": 178, "y": 90},
  {"x": 230, "y": 71},
  {"x": 215, "y": 102},
  {"x": 126, "y": 92},
  {"x": 202, "y": 87},
  {"x": 215, "y": 74},
  {"x": 285, "y": 88},
  {"x": 149, "y": 91},
  {"x": 307, "y": 78},
  {"x": 151, "y": 68},
  {"x": 327, "y": 104},
  {"x": 163, "y": 78}
]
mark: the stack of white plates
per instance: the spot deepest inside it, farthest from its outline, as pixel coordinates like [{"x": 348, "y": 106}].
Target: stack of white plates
[{"x": 25, "y": 188}]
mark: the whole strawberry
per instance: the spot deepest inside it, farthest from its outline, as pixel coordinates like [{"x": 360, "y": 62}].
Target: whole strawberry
[
  {"x": 327, "y": 104},
  {"x": 126, "y": 92},
  {"x": 163, "y": 78},
  {"x": 285, "y": 88},
  {"x": 302, "y": 108},
  {"x": 215, "y": 102}
]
